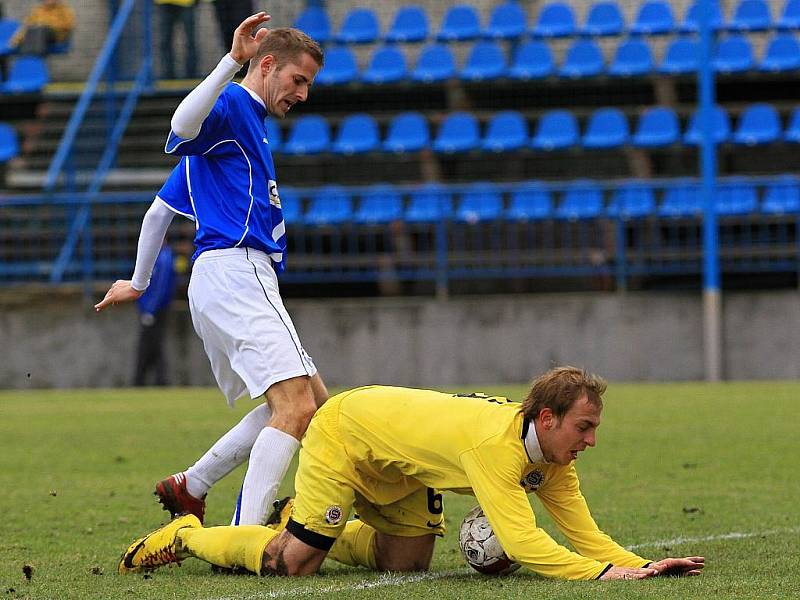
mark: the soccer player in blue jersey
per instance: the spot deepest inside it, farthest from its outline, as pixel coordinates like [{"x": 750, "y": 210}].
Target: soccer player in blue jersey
[{"x": 225, "y": 182}]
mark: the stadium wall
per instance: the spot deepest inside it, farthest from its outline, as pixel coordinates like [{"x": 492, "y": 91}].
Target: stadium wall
[{"x": 422, "y": 342}]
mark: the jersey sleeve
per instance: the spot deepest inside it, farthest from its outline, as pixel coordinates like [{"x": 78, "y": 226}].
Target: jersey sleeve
[
  {"x": 211, "y": 132},
  {"x": 564, "y": 501},
  {"x": 175, "y": 191},
  {"x": 505, "y": 503}
]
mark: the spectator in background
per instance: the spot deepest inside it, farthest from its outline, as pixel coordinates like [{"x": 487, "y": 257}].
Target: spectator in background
[
  {"x": 153, "y": 308},
  {"x": 172, "y": 12},
  {"x": 229, "y": 14},
  {"x": 49, "y": 22}
]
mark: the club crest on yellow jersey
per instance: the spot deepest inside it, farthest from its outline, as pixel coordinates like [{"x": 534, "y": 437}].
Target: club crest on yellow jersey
[{"x": 532, "y": 478}]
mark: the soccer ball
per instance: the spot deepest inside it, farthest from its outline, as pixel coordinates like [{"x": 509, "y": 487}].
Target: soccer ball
[{"x": 481, "y": 548}]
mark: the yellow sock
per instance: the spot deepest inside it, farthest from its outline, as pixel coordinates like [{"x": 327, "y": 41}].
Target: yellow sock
[
  {"x": 356, "y": 546},
  {"x": 228, "y": 547}
]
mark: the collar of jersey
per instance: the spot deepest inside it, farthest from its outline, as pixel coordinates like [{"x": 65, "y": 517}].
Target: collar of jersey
[
  {"x": 532, "y": 447},
  {"x": 252, "y": 94}
]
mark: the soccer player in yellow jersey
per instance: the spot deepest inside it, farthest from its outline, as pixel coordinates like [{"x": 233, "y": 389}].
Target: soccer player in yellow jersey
[{"x": 385, "y": 452}]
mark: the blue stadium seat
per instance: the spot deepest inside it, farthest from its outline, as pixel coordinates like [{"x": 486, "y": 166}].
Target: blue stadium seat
[
  {"x": 380, "y": 203},
  {"x": 410, "y": 24},
  {"x": 314, "y": 21},
  {"x": 583, "y": 199},
  {"x": 556, "y": 19},
  {"x": 357, "y": 134},
  {"x": 751, "y": 15},
  {"x": 485, "y": 61},
  {"x": 632, "y": 200},
  {"x": 792, "y": 133},
  {"x": 9, "y": 146},
  {"x": 408, "y": 132},
  {"x": 682, "y": 56},
  {"x": 736, "y": 197},
  {"x": 782, "y": 196},
  {"x": 507, "y": 21},
  {"x": 27, "y": 74},
  {"x": 691, "y": 21},
  {"x": 8, "y": 28},
  {"x": 532, "y": 60},
  {"x": 654, "y": 18},
  {"x": 758, "y": 124},
  {"x": 291, "y": 205},
  {"x": 388, "y": 65},
  {"x": 330, "y": 205},
  {"x": 583, "y": 59},
  {"x": 658, "y": 126},
  {"x": 529, "y": 201},
  {"x": 460, "y": 22},
  {"x": 507, "y": 130},
  {"x": 310, "y": 135},
  {"x": 632, "y": 58},
  {"x": 340, "y": 67},
  {"x": 459, "y": 132},
  {"x": 734, "y": 54},
  {"x": 429, "y": 203},
  {"x": 481, "y": 201},
  {"x": 556, "y": 130},
  {"x": 790, "y": 16},
  {"x": 359, "y": 26},
  {"x": 782, "y": 54},
  {"x": 604, "y": 18},
  {"x": 435, "y": 63},
  {"x": 607, "y": 128},
  {"x": 681, "y": 199},
  {"x": 720, "y": 128},
  {"x": 274, "y": 136}
]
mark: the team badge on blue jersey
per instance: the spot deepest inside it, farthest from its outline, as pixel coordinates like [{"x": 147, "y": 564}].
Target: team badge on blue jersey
[
  {"x": 532, "y": 480},
  {"x": 333, "y": 515}
]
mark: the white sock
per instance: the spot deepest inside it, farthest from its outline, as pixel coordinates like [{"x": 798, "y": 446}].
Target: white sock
[
  {"x": 231, "y": 450},
  {"x": 269, "y": 461}
]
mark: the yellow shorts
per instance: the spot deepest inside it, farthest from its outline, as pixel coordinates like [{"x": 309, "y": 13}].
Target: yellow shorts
[{"x": 328, "y": 487}]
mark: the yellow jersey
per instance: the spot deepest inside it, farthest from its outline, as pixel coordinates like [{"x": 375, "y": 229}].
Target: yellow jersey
[{"x": 473, "y": 444}]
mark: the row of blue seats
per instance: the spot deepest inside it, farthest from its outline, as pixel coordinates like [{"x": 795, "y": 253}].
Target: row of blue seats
[
  {"x": 532, "y": 200},
  {"x": 534, "y": 60},
  {"x": 508, "y": 131},
  {"x": 9, "y": 144},
  {"x": 555, "y": 19},
  {"x": 26, "y": 75}
]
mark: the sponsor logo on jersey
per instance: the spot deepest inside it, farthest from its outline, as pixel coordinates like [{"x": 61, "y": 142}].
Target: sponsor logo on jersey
[
  {"x": 333, "y": 515},
  {"x": 532, "y": 480},
  {"x": 274, "y": 198}
]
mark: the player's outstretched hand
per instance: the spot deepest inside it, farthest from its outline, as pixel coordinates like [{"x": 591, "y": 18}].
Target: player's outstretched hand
[
  {"x": 245, "y": 44},
  {"x": 121, "y": 291},
  {"x": 679, "y": 567},
  {"x": 615, "y": 573}
]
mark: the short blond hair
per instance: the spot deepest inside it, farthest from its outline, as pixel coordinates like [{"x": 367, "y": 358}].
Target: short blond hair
[
  {"x": 560, "y": 388},
  {"x": 287, "y": 44}
]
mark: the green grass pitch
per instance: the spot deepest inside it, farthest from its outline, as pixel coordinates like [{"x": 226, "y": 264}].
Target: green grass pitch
[{"x": 679, "y": 469}]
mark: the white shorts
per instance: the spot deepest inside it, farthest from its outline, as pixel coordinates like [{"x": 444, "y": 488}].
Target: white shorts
[{"x": 237, "y": 311}]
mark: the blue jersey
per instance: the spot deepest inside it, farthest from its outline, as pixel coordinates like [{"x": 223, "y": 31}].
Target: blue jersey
[{"x": 225, "y": 181}]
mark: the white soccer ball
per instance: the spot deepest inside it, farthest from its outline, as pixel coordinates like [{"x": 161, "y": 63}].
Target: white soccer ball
[{"x": 480, "y": 546}]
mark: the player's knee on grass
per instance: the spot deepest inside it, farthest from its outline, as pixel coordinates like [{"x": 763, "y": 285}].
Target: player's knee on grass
[{"x": 395, "y": 553}]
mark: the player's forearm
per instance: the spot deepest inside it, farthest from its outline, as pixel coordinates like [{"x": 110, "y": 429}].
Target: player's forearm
[
  {"x": 154, "y": 227},
  {"x": 193, "y": 110}
]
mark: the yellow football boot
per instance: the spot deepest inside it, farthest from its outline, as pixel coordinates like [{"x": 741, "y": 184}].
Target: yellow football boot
[{"x": 158, "y": 548}]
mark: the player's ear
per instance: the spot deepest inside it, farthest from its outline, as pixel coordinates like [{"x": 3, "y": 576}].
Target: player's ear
[
  {"x": 546, "y": 417},
  {"x": 267, "y": 64}
]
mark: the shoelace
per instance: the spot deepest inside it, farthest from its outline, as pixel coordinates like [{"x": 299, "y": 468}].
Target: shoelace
[{"x": 161, "y": 557}]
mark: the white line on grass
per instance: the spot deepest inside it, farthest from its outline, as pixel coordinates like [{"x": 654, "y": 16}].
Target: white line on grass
[
  {"x": 393, "y": 579},
  {"x": 734, "y": 535}
]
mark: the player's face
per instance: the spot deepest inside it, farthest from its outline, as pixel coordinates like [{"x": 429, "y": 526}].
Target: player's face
[
  {"x": 562, "y": 439},
  {"x": 285, "y": 87}
]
